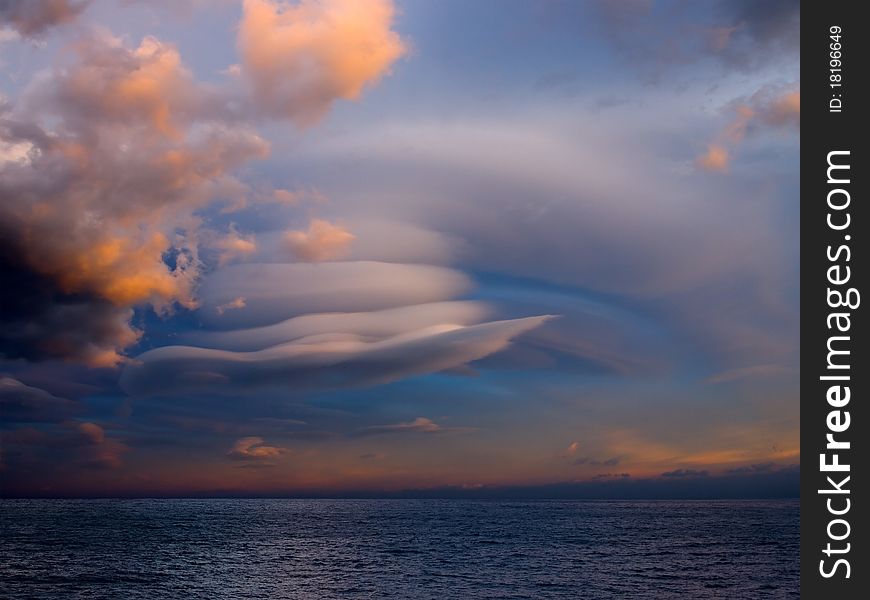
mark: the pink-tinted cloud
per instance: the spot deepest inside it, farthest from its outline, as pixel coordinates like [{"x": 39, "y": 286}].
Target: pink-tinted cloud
[
  {"x": 108, "y": 156},
  {"x": 571, "y": 450},
  {"x": 715, "y": 158},
  {"x": 301, "y": 57},
  {"x": 98, "y": 449},
  {"x": 321, "y": 241},
  {"x": 231, "y": 305},
  {"x": 767, "y": 108},
  {"x": 783, "y": 111},
  {"x": 121, "y": 150},
  {"x": 233, "y": 246},
  {"x": 253, "y": 448}
]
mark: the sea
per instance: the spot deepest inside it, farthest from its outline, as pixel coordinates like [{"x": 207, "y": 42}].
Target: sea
[{"x": 440, "y": 549}]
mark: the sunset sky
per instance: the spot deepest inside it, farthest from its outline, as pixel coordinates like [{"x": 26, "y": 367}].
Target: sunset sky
[{"x": 341, "y": 246}]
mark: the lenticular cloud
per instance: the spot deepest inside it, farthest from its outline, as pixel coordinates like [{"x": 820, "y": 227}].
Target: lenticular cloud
[{"x": 331, "y": 325}]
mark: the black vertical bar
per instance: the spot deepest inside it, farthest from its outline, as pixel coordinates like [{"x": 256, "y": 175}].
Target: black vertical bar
[{"x": 834, "y": 228}]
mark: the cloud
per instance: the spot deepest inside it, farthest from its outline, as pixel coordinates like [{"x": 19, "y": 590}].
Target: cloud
[
  {"x": 107, "y": 158},
  {"x": 753, "y": 371},
  {"x": 418, "y": 425},
  {"x": 594, "y": 462},
  {"x": 233, "y": 245},
  {"x": 571, "y": 450},
  {"x": 57, "y": 446},
  {"x": 370, "y": 325},
  {"x": 148, "y": 87},
  {"x": 779, "y": 110},
  {"x": 231, "y": 305},
  {"x": 316, "y": 362},
  {"x": 301, "y": 57},
  {"x": 685, "y": 473},
  {"x": 20, "y": 403},
  {"x": 253, "y": 448},
  {"x": 40, "y": 319},
  {"x": 100, "y": 450},
  {"x": 564, "y": 219},
  {"x": 120, "y": 156},
  {"x": 277, "y": 291},
  {"x": 374, "y": 239},
  {"x": 770, "y": 107},
  {"x": 33, "y": 17},
  {"x": 715, "y": 159},
  {"x": 765, "y": 25},
  {"x": 755, "y": 468},
  {"x": 321, "y": 241},
  {"x": 286, "y": 197},
  {"x": 605, "y": 476},
  {"x": 394, "y": 241},
  {"x": 660, "y": 37}
]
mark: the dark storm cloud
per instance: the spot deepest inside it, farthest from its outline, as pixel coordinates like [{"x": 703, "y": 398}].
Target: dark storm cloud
[
  {"x": 90, "y": 224},
  {"x": 87, "y": 224},
  {"x": 39, "y": 320},
  {"x": 34, "y": 17}
]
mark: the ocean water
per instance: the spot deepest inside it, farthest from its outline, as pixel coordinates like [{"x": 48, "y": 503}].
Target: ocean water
[{"x": 444, "y": 549}]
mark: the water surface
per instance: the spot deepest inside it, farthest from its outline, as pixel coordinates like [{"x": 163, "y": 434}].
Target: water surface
[{"x": 444, "y": 549}]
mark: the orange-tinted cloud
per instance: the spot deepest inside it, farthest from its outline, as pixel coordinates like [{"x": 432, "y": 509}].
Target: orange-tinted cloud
[
  {"x": 80, "y": 443},
  {"x": 301, "y": 57},
  {"x": 766, "y": 108},
  {"x": 122, "y": 148},
  {"x": 253, "y": 448},
  {"x": 110, "y": 154},
  {"x": 231, "y": 305},
  {"x": 321, "y": 241},
  {"x": 715, "y": 159},
  {"x": 98, "y": 449},
  {"x": 571, "y": 450},
  {"x": 784, "y": 110},
  {"x": 233, "y": 245},
  {"x": 148, "y": 85}
]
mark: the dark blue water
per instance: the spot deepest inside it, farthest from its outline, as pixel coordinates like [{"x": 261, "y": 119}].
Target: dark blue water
[{"x": 445, "y": 549}]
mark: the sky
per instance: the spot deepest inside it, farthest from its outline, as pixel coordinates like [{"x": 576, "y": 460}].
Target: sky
[{"x": 399, "y": 247}]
